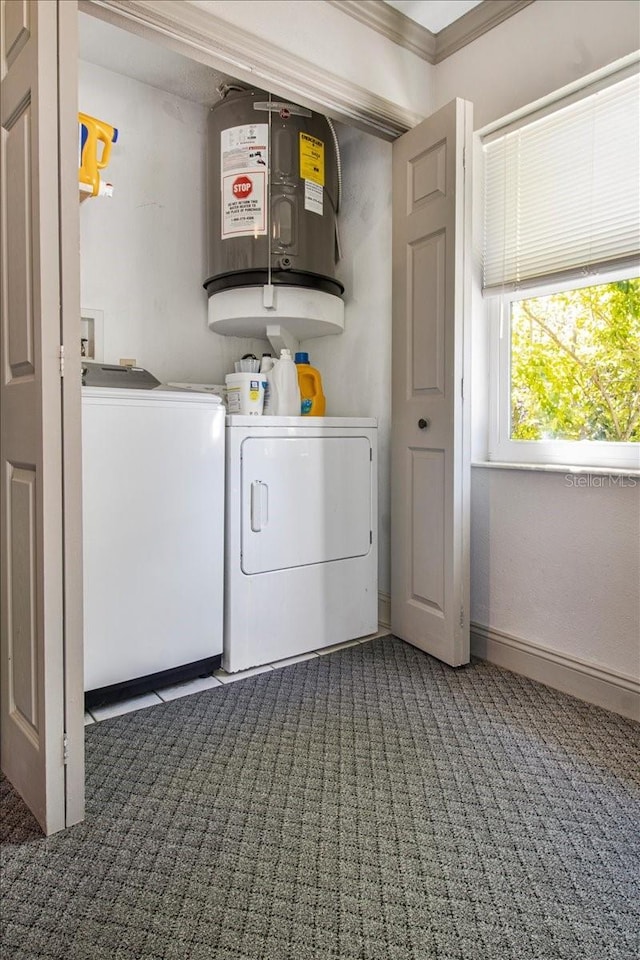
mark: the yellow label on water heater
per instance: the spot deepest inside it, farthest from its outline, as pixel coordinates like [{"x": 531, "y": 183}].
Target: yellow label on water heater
[{"x": 311, "y": 159}]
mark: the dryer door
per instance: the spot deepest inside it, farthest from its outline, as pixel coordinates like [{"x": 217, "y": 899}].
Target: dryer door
[{"x": 305, "y": 500}]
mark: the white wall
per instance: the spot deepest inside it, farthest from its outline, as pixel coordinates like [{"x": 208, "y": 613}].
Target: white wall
[
  {"x": 555, "y": 560},
  {"x": 356, "y": 365},
  {"x": 143, "y": 252},
  {"x": 541, "y": 48},
  {"x": 554, "y": 564}
]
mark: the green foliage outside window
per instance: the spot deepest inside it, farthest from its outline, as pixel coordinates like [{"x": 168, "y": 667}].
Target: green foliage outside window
[{"x": 575, "y": 364}]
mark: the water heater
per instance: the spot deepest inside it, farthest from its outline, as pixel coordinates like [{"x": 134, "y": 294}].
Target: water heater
[{"x": 273, "y": 196}]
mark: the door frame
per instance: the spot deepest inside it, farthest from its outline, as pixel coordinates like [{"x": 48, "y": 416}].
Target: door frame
[{"x": 70, "y": 308}]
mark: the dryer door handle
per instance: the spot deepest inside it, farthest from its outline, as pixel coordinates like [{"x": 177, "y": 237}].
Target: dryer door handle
[{"x": 259, "y": 505}]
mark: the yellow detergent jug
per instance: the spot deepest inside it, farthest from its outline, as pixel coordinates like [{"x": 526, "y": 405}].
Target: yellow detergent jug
[
  {"x": 91, "y": 133},
  {"x": 313, "y": 402}
]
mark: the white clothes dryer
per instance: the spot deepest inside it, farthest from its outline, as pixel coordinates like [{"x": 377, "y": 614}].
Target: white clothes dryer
[{"x": 301, "y": 548}]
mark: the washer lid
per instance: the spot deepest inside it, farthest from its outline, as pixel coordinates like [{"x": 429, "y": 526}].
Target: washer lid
[
  {"x": 107, "y": 380},
  {"x": 115, "y": 375},
  {"x": 116, "y": 396}
]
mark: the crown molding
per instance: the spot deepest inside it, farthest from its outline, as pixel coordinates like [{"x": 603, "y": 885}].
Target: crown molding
[
  {"x": 474, "y": 23},
  {"x": 432, "y": 47},
  {"x": 209, "y": 39},
  {"x": 392, "y": 24}
]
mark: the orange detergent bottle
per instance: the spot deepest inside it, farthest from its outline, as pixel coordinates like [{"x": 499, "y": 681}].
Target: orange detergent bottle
[{"x": 313, "y": 402}]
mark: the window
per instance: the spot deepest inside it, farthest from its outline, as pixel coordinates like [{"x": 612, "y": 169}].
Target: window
[
  {"x": 561, "y": 279},
  {"x": 567, "y": 375}
]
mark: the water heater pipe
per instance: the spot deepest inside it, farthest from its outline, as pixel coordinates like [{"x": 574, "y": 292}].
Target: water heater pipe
[{"x": 338, "y": 163}]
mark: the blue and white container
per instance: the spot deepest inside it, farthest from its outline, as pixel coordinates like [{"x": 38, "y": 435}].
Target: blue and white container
[{"x": 245, "y": 393}]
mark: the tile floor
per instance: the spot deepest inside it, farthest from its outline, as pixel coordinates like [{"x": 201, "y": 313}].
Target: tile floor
[{"x": 204, "y": 683}]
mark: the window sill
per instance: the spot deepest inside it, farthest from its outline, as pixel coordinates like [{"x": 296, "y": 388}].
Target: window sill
[{"x": 558, "y": 468}]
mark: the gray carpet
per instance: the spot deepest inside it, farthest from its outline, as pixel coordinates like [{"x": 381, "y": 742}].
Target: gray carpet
[{"x": 368, "y": 805}]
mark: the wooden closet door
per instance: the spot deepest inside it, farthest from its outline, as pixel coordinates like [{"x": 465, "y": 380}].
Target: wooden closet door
[{"x": 430, "y": 422}]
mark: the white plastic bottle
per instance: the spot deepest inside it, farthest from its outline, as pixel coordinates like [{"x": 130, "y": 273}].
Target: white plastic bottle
[
  {"x": 285, "y": 391},
  {"x": 266, "y": 369}
]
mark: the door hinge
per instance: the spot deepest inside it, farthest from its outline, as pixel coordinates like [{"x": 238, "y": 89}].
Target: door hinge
[
  {"x": 461, "y": 617},
  {"x": 371, "y": 453},
  {"x": 370, "y": 536},
  {"x": 65, "y": 749},
  {"x": 61, "y": 358},
  {"x": 462, "y": 387},
  {"x": 464, "y": 158}
]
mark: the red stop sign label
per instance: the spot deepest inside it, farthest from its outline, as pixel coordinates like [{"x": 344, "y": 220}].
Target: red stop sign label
[{"x": 242, "y": 187}]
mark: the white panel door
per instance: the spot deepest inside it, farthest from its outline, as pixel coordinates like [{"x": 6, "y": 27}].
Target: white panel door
[
  {"x": 430, "y": 429},
  {"x": 32, "y": 534}
]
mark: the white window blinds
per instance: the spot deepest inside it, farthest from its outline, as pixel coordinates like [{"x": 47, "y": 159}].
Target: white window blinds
[{"x": 562, "y": 193}]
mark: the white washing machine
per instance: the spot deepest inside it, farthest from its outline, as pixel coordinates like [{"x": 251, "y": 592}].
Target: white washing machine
[
  {"x": 153, "y": 537},
  {"x": 301, "y": 563}
]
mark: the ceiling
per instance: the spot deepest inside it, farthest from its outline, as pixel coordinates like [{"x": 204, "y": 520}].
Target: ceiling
[
  {"x": 123, "y": 52},
  {"x": 435, "y": 15}
]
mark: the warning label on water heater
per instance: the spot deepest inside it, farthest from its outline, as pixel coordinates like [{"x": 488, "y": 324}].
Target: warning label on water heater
[
  {"x": 243, "y": 180},
  {"x": 313, "y": 195},
  {"x": 311, "y": 159}
]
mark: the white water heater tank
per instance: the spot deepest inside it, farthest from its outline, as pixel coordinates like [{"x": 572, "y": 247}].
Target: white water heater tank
[{"x": 273, "y": 197}]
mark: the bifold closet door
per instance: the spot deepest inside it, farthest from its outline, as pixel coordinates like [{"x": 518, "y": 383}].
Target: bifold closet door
[
  {"x": 430, "y": 422},
  {"x": 38, "y": 733}
]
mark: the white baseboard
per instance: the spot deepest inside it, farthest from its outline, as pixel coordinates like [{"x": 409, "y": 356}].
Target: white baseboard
[
  {"x": 587, "y": 681},
  {"x": 384, "y": 611}
]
